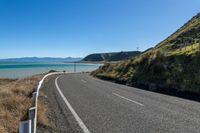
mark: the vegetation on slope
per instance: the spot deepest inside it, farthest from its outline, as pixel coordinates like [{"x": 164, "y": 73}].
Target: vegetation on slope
[
  {"x": 173, "y": 64},
  {"x": 115, "y": 56},
  {"x": 188, "y": 34}
]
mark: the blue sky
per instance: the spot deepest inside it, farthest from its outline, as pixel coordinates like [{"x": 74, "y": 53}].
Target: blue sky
[{"x": 61, "y": 28}]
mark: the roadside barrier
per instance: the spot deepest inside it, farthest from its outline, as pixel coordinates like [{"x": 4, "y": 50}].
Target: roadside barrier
[
  {"x": 30, "y": 125},
  {"x": 25, "y": 126}
]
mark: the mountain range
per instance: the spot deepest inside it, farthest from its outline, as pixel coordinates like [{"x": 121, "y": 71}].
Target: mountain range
[{"x": 42, "y": 59}]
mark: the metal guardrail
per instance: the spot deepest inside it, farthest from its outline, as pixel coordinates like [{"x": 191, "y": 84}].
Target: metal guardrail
[{"x": 30, "y": 125}]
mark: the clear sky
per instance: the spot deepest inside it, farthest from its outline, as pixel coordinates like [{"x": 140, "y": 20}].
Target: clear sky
[{"x": 61, "y": 28}]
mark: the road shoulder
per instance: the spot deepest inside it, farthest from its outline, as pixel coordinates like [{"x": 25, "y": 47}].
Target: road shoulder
[{"x": 59, "y": 117}]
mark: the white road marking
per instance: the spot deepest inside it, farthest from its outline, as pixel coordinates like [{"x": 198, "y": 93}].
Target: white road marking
[
  {"x": 78, "y": 119},
  {"x": 83, "y": 81},
  {"x": 128, "y": 99}
]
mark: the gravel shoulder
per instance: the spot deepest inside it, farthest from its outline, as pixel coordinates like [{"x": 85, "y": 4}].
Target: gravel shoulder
[{"x": 56, "y": 111}]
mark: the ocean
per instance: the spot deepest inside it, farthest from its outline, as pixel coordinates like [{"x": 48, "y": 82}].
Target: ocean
[{"x": 27, "y": 69}]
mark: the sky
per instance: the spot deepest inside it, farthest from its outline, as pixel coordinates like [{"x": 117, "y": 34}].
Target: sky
[{"x": 76, "y": 28}]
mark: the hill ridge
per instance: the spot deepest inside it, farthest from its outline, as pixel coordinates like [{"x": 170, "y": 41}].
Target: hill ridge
[{"x": 111, "y": 56}]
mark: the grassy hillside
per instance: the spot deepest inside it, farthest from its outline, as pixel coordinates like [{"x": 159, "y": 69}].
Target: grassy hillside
[
  {"x": 115, "y": 56},
  {"x": 173, "y": 64}
]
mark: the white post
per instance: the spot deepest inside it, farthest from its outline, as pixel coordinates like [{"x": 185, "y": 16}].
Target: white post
[
  {"x": 32, "y": 117},
  {"x": 25, "y": 126},
  {"x": 34, "y": 96}
]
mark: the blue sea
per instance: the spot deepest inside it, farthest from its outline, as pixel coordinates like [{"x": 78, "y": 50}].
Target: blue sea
[{"x": 27, "y": 69}]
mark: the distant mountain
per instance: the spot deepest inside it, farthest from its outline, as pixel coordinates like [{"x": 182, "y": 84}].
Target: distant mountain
[
  {"x": 172, "y": 65},
  {"x": 43, "y": 59},
  {"x": 114, "y": 56}
]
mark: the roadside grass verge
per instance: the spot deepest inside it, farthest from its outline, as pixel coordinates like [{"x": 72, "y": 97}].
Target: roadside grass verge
[
  {"x": 15, "y": 100},
  {"x": 42, "y": 119}
]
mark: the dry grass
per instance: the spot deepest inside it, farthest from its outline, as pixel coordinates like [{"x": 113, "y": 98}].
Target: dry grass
[
  {"x": 5, "y": 81},
  {"x": 187, "y": 50},
  {"x": 15, "y": 99},
  {"x": 41, "y": 117}
]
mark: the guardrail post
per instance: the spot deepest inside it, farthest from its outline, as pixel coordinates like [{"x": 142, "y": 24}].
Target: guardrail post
[
  {"x": 25, "y": 126},
  {"x": 36, "y": 86},
  {"x": 34, "y": 96},
  {"x": 32, "y": 115}
]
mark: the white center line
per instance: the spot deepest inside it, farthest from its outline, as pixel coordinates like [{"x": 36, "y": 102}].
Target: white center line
[
  {"x": 78, "y": 119},
  {"x": 128, "y": 99}
]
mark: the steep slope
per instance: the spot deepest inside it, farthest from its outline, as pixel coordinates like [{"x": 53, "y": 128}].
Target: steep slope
[
  {"x": 184, "y": 41},
  {"x": 115, "y": 56},
  {"x": 188, "y": 34},
  {"x": 173, "y": 64}
]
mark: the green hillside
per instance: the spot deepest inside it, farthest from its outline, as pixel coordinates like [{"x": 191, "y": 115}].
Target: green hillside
[
  {"x": 173, "y": 64},
  {"x": 115, "y": 56}
]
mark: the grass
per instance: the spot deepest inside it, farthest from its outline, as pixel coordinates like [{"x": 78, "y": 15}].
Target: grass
[
  {"x": 41, "y": 117},
  {"x": 15, "y": 100},
  {"x": 189, "y": 26},
  {"x": 187, "y": 50}
]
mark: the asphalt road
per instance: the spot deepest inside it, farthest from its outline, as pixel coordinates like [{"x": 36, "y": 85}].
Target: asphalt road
[{"x": 91, "y": 105}]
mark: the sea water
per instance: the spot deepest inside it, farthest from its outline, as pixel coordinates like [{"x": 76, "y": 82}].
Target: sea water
[{"x": 27, "y": 69}]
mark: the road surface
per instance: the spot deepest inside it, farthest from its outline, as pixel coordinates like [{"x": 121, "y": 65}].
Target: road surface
[{"x": 90, "y": 105}]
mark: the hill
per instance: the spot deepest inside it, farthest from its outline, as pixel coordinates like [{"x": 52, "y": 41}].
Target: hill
[
  {"x": 172, "y": 65},
  {"x": 114, "y": 56},
  {"x": 37, "y": 59}
]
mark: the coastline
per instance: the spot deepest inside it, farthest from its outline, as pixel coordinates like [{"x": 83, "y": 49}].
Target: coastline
[{"x": 25, "y": 70}]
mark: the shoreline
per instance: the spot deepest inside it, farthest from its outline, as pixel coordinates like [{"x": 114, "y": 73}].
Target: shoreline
[{"x": 15, "y": 71}]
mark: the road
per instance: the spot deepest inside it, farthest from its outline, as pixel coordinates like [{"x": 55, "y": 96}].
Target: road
[{"x": 90, "y": 105}]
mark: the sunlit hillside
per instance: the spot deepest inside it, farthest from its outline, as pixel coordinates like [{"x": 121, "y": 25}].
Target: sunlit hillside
[{"x": 173, "y": 64}]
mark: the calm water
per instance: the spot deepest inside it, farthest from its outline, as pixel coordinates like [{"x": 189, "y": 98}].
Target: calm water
[{"x": 21, "y": 70}]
